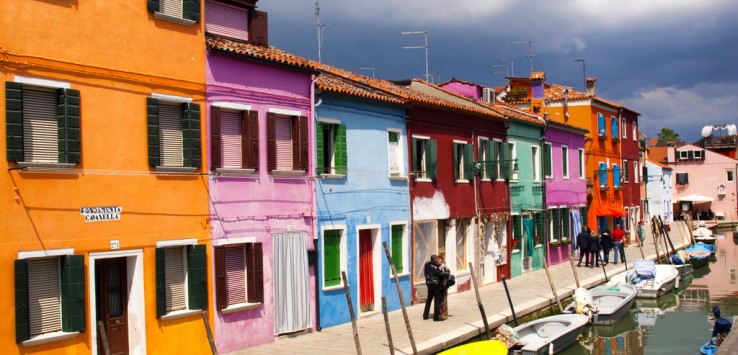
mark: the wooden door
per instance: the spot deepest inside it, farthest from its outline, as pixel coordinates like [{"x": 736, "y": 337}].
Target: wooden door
[
  {"x": 112, "y": 300},
  {"x": 366, "y": 269}
]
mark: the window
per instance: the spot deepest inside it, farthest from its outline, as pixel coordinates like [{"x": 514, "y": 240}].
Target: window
[
  {"x": 42, "y": 122},
  {"x": 614, "y": 125},
  {"x": 234, "y": 139},
  {"x": 181, "y": 279},
  {"x": 636, "y": 172},
  {"x": 603, "y": 174},
  {"x": 540, "y": 225},
  {"x": 485, "y": 157},
  {"x": 565, "y": 161},
  {"x": 635, "y": 132},
  {"x": 424, "y": 157},
  {"x": 699, "y": 154},
  {"x": 225, "y": 20},
  {"x": 49, "y": 296},
  {"x": 462, "y": 227},
  {"x": 186, "y": 12},
  {"x": 536, "y": 162},
  {"x": 517, "y": 229},
  {"x": 601, "y": 128},
  {"x": 547, "y": 160},
  {"x": 581, "y": 163},
  {"x": 616, "y": 175},
  {"x": 682, "y": 179},
  {"x": 624, "y": 129},
  {"x": 394, "y": 150},
  {"x": 730, "y": 177},
  {"x": 463, "y": 161},
  {"x": 331, "y": 143},
  {"x": 683, "y": 155},
  {"x": 239, "y": 275},
  {"x": 334, "y": 259},
  {"x": 626, "y": 173},
  {"x": 173, "y": 132},
  {"x": 287, "y": 142},
  {"x": 399, "y": 247},
  {"x": 564, "y": 216},
  {"x": 554, "y": 231},
  {"x": 495, "y": 153}
]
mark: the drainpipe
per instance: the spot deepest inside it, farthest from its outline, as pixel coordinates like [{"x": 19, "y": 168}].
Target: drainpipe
[
  {"x": 315, "y": 209},
  {"x": 543, "y": 182}
]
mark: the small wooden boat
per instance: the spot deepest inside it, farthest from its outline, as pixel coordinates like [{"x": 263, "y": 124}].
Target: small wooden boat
[
  {"x": 649, "y": 279},
  {"x": 559, "y": 332},
  {"x": 491, "y": 347},
  {"x": 699, "y": 254},
  {"x": 611, "y": 302},
  {"x": 703, "y": 234}
]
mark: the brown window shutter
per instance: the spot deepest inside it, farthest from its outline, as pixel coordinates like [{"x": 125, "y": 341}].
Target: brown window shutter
[
  {"x": 255, "y": 273},
  {"x": 215, "y": 144},
  {"x": 259, "y": 28},
  {"x": 250, "y": 139},
  {"x": 220, "y": 281},
  {"x": 303, "y": 143},
  {"x": 295, "y": 143},
  {"x": 271, "y": 142}
]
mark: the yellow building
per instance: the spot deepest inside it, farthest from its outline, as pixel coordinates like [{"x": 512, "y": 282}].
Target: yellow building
[{"x": 104, "y": 207}]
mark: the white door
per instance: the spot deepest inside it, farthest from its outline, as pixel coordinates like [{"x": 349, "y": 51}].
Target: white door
[
  {"x": 491, "y": 249},
  {"x": 291, "y": 289}
]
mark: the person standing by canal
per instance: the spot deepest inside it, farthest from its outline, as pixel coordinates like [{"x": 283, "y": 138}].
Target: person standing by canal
[
  {"x": 722, "y": 326},
  {"x": 594, "y": 249},
  {"x": 433, "y": 278},
  {"x": 617, "y": 241},
  {"x": 606, "y": 245},
  {"x": 583, "y": 246},
  {"x": 446, "y": 283},
  {"x": 641, "y": 232}
]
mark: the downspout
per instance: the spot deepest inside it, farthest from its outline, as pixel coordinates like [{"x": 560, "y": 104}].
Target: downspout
[
  {"x": 315, "y": 209},
  {"x": 622, "y": 167},
  {"x": 543, "y": 182}
]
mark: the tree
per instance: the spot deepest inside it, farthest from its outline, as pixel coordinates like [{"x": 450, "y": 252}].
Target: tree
[{"x": 668, "y": 135}]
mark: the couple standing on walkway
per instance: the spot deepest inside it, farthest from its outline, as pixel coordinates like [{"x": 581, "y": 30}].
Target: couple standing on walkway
[
  {"x": 590, "y": 245},
  {"x": 438, "y": 279}
]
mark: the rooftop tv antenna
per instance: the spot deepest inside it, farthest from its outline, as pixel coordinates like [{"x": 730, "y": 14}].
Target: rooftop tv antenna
[
  {"x": 530, "y": 54},
  {"x": 320, "y": 27}
]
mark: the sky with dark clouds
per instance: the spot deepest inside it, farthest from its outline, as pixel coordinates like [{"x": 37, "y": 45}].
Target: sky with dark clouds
[{"x": 675, "y": 62}]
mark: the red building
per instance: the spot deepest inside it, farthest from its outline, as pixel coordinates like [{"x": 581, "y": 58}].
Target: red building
[{"x": 632, "y": 170}]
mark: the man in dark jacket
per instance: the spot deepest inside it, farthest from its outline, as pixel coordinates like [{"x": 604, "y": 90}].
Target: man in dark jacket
[
  {"x": 722, "y": 326},
  {"x": 583, "y": 246},
  {"x": 594, "y": 250},
  {"x": 606, "y": 245},
  {"x": 434, "y": 277}
]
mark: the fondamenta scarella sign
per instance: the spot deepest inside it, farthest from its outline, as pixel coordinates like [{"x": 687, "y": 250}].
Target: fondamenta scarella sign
[{"x": 104, "y": 213}]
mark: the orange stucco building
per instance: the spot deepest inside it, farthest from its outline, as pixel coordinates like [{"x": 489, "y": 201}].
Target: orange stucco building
[{"x": 104, "y": 204}]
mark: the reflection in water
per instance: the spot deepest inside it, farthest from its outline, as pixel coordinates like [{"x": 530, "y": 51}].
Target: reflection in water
[{"x": 676, "y": 323}]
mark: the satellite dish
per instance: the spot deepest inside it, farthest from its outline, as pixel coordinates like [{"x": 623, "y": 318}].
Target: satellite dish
[{"x": 706, "y": 131}]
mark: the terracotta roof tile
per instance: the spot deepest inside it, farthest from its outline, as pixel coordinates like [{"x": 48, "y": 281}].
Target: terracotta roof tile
[
  {"x": 566, "y": 126},
  {"x": 518, "y": 114},
  {"x": 538, "y": 75},
  {"x": 662, "y": 165},
  {"x": 259, "y": 52},
  {"x": 658, "y": 154},
  {"x": 337, "y": 84}
]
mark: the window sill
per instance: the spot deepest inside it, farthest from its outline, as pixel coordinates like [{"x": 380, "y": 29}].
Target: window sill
[
  {"x": 423, "y": 180},
  {"x": 404, "y": 274},
  {"x": 179, "y": 20},
  {"x": 332, "y": 176},
  {"x": 226, "y": 171},
  {"x": 49, "y": 337},
  {"x": 174, "y": 169},
  {"x": 565, "y": 178},
  {"x": 462, "y": 181},
  {"x": 288, "y": 172},
  {"x": 485, "y": 179},
  {"x": 45, "y": 166},
  {"x": 180, "y": 314},
  {"x": 240, "y": 307},
  {"x": 398, "y": 177},
  {"x": 333, "y": 288}
]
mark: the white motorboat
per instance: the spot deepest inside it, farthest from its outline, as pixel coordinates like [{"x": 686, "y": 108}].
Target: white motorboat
[
  {"x": 703, "y": 234},
  {"x": 650, "y": 279},
  {"x": 611, "y": 303},
  {"x": 557, "y": 332}
]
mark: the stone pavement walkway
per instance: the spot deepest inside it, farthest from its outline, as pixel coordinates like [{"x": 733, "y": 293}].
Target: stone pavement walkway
[{"x": 529, "y": 292}]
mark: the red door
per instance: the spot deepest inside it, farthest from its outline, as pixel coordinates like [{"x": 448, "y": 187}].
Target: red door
[{"x": 366, "y": 270}]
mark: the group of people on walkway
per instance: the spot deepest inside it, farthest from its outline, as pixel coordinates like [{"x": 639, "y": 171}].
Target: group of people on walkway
[
  {"x": 438, "y": 279},
  {"x": 595, "y": 249}
]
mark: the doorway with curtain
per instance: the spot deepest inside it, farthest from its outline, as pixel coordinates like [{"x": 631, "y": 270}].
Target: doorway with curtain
[
  {"x": 529, "y": 242},
  {"x": 291, "y": 277},
  {"x": 369, "y": 269}
]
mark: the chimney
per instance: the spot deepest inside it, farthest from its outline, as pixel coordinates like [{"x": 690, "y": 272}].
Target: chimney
[
  {"x": 591, "y": 86},
  {"x": 537, "y": 86}
]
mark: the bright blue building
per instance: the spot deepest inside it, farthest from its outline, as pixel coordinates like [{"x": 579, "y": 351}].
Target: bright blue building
[{"x": 362, "y": 196}]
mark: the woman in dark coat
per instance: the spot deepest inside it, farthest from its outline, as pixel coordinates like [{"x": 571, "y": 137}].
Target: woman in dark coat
[
  {"x": 583, "y": 246},
  {"x": 606, "y": 245},
  {"x": 594, "y": 250}
]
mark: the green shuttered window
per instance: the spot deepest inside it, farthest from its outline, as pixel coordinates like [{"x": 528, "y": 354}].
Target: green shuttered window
[
  {"x": 398, "y": 235},
  {"x": 332, "y": 257},
  {"x": 42, "y": 124},
  {"x": 425, "y": 158},
  {"x": 463, "y": 161},
  {"x": 547, "y": 160},
  {"x": 181, "y": 279},
  {"x": 331, "y": 144},
  {"x": 49, "y": 296},
  {"x": 185, "y": 9},
  {"x": 173, "y": 131}
]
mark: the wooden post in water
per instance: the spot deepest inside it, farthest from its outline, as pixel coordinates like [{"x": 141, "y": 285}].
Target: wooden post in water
[
  {"x": 351, "y": 312},
  {"x": 550, "y": 282},
  {"x": 402, "y": 298},
  {"x": 387, "y": 326},
  {"x": 213, "y": 350},
  {"x": 576, "y": 277},
  {"x": 602, "y": 263},
  {"x": 103, "y": 337},
  {"x": 509, "y": 300},
  {"x": 654, "y": 233},
  {"x": 479, "y": 301}
]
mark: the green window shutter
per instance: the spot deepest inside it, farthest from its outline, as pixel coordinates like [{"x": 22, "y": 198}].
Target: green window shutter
[
  {"x": 197, "y": 277},
  {"x": 547, "y": 156},
  {"x": 457, "y": 173},
  {"x": 517, "y": 231},
  {"x": 320, "y": 145},
  {"x": 341, "y": 158},
  {"x": 68, "y": 120},
  {"x": 431, "y": 158},
  {"x": 506, "y": 155},
  {"x": 565, "y": 223},
  {"x": 191, "y": 10},
  {"x": 585, "y": 220},
  {"x": 557, "y": 223},
  {"x": 192, "y": 152},
  {"x": 161, "y": 298},
  {"x": 22, "y": 321},
  {"x": 397, "y": 232},
  {"x": 541, "y": 225},
  {"x": 493, "y": 160},
  {"x": 73, "y": 293},
  {"x": 415, "y": 166},
  {"x": 468, "y": 161},
  {"x": 14, "y": 121},
  {"x": 152, "y": 125},
  {"x": 152, "y": 5},
  {"x": 332, "y": 257}
]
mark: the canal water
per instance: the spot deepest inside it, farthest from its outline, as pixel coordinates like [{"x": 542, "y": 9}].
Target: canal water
[{"x": 679, "y": 322}]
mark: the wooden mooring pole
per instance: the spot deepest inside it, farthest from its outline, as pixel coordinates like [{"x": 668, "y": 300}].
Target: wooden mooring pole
[
  {"x": 103, "y": 337},
  {"x": 551, "y": 283},
  {"x": 387, "y": 326},
  {"x": 351, "y": 312},
  {"x": 574, "y": 269},
  {"x": 509, "y": 300},
  {"x": 402, "y": 298},
  {"x": 479, "y": 301}
]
